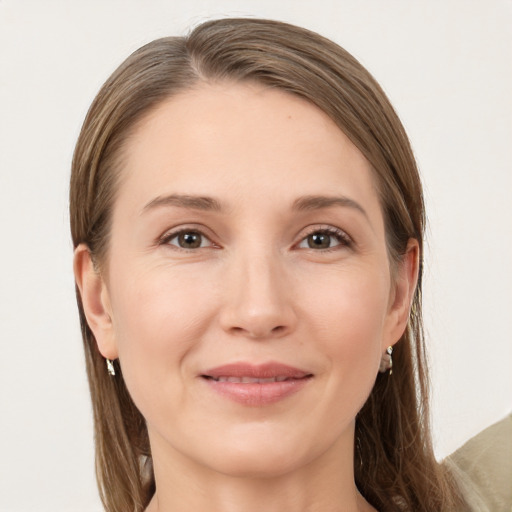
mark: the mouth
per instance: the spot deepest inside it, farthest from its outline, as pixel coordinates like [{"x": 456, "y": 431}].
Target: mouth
[
  {"x": 256, "y": 385},
  {"x": 248, "y": 380}
]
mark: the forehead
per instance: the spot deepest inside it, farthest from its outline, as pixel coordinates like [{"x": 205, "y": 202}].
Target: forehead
[{"x": 225, "y": 138}]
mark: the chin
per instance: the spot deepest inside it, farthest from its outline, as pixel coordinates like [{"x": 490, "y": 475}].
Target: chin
[
  {"x": 264, "y": 455},
  {"x": 256, "y": 464}
]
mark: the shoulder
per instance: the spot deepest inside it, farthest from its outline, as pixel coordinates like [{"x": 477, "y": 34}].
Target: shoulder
[{"x": 483, "y": 467}]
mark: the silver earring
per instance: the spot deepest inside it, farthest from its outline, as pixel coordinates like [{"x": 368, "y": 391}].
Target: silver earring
[
  {"x": 110, "y": 368},
  {"x": 386, "y": 363}
]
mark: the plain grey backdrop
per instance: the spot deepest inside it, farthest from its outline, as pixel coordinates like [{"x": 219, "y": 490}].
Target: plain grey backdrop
[{"x": 446, "y": 67}]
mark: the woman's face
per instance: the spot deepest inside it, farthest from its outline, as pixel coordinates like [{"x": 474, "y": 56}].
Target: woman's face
[{"x": 247, "y": 293}]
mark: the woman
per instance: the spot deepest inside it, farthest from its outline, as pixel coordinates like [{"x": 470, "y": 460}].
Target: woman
[{"x": 247, "y": 219}]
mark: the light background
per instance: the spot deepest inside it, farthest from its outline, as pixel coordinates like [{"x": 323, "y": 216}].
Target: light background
[{"x": 447, "y": 68}]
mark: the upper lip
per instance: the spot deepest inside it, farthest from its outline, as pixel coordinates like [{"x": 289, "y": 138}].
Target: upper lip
[{"x": 258, "y": 371}]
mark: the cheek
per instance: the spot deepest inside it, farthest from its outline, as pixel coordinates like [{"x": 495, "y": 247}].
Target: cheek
[
  {"x": 158, "y": 320},
  {"x": 348, "y": 312}
]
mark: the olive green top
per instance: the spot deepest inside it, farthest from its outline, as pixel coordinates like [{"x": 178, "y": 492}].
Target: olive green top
[{"x": 483, "y": 467}]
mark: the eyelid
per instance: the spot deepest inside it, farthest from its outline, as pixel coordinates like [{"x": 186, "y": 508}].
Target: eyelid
[
  {"x": 172, "y": 233},
  {"x": 344, "y": 239}
]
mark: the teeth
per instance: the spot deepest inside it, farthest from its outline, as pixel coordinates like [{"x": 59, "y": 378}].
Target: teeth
[
  {"x": 247, "y": 380},
  {"x": 250, "y": 380}
]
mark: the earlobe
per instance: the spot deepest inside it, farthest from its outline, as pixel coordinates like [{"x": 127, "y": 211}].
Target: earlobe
[
  {"x": 405, "y": 283},
  {"x": 95, "y": 301}
]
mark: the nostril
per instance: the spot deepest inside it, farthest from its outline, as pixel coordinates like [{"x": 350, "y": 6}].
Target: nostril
[{"x": 258, "y": 331}]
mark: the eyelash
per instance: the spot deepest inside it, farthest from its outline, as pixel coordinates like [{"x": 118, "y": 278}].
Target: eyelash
[
  {"x": 341, "y": 237},
  {"x": 166, "y": 239}
]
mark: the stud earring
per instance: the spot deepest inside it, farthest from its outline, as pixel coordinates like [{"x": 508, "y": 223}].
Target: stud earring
[
  {"x": 110, "y": 368},
  {"x": 386, "y": 363}
]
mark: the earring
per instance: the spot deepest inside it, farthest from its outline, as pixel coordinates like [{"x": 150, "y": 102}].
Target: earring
[
  {"x": 110, "y": 368},
  {"x": 386, "y": 362}
]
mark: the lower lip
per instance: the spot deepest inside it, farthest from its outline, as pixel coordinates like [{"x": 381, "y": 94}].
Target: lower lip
[{"x": 254, "y": 394}]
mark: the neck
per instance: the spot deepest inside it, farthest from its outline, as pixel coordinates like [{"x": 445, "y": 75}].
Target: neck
[{"x": 325, "y": 484}]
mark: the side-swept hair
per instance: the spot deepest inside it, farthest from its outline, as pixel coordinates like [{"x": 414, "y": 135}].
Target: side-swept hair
[{"x": 395, "y": 468}]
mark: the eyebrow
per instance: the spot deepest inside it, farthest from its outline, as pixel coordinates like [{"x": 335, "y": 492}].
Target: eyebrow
[
  {"x": 184, "y": 201},
  {"x": 205, "y": 203},
  {"x": 318, "y": 202}
]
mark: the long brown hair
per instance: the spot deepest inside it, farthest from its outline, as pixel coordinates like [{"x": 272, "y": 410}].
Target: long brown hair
[{"x": 395, "y": 468}]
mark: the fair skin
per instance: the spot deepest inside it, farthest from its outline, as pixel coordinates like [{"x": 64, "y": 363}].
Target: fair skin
[{"x": 284, "y": 262}]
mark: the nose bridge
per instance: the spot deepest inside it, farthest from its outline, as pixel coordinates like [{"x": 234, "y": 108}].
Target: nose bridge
[{"x": 258, "y": 303}]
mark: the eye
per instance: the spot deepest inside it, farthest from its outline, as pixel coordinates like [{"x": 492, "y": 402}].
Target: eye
[
  {"x": 322, "y": 239},
  {"x": 187, "y": 239}
]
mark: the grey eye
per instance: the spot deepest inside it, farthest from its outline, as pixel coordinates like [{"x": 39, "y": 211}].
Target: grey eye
[
  {"x": 188, "y": 240},
  {"x": 319, "y": 241},
  {"x": 323, "y": 239}
]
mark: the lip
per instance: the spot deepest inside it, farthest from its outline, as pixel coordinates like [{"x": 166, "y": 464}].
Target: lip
[{"x": 256, "y": 385}]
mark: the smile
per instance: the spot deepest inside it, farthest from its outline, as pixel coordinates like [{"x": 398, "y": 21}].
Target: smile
[
  {"x": 250, "y": 380},
  {"x": 256, "y": 385}
]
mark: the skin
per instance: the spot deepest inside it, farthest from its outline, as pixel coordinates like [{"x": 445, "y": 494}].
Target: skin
[{"x": 253, "y": 291}]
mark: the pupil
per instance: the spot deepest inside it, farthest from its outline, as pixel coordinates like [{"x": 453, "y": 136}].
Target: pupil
[
  {"x": 190, "y": 240},
  {"x": 319, "y": 241}
]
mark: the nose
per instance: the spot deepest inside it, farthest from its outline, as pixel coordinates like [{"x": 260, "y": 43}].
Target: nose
[{"x": 258, "y": 298}]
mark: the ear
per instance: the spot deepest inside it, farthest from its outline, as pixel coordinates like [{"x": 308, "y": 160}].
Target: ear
[
  {"x": 95, "y": 301},
  {"x": 402, "y": 294}
]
